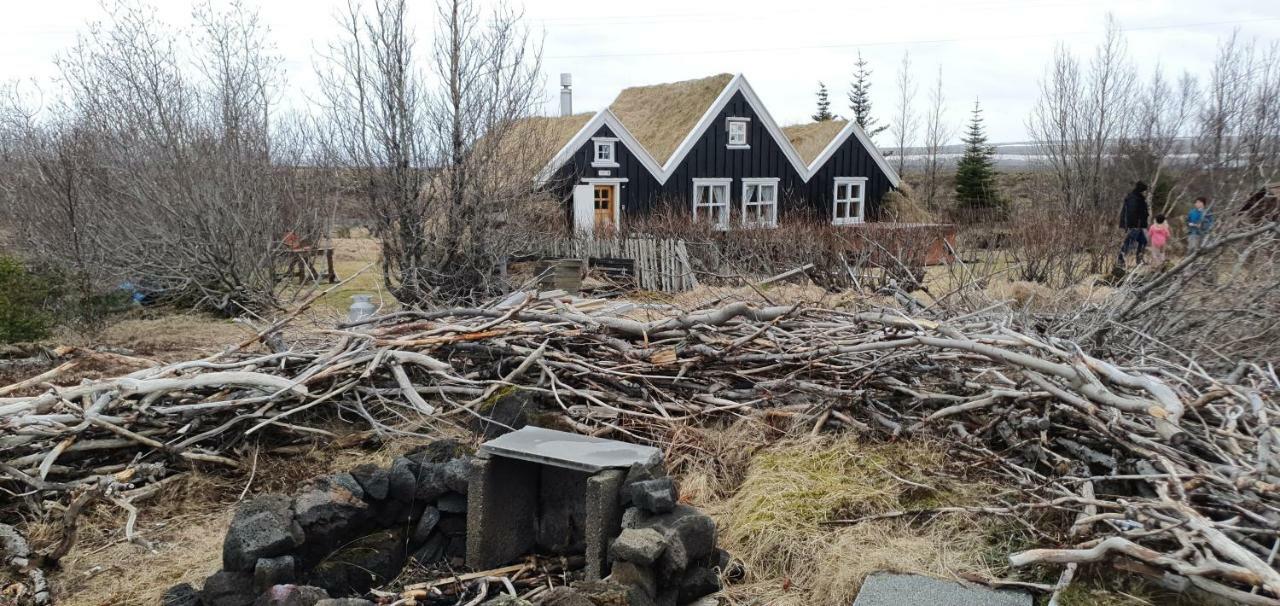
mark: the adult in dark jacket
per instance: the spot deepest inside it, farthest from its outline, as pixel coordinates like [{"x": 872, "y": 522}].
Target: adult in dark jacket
[{"x": 1133, "y": 219}]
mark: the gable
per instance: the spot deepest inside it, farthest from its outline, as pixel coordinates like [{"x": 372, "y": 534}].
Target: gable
[{"x": 662, "y": 115}]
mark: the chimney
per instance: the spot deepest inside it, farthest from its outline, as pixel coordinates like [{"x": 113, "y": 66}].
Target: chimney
[{"x": 566, "y": 94}]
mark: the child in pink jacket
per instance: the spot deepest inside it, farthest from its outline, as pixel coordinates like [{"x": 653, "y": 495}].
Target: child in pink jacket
[{"x": 1158, "y": 235}]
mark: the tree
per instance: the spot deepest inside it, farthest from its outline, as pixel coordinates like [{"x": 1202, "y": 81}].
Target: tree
[
  {"x": 860, "y": 99},
  {"x": 824, "y": 105},
  {"x": 439, "y": 153},
  {"x": 1083, "y": 110},
  {"x": 975, "y": 172},
  {"x": 904, "y": 121},
  {"x": 936, "y": 135}
]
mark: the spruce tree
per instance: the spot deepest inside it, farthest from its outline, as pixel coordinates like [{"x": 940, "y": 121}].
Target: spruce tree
[
  {"x": 824, "y": 105},
  {"x": 976, "y": 170},
  {"x": 860, "y": 99}
]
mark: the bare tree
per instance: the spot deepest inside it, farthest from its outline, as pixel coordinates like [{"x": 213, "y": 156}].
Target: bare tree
[
  {"x": 164, "y": 158},
  {"x": 442, "y": 160},
  {"x": 905, "y": 121},
  {"x": 937, "y": 132},
  {"x": 1161, "y": 113},
  {"x": 1082, "y": 111}
]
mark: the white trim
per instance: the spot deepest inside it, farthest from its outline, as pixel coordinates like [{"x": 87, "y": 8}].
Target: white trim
[
  {"x": 860, "y": 200},
  {"x": 726, "y": 204},
  {"x": 737, "y": 147},
  {"x": 662, "y": 173},
  {"x": 617, "y": 197},
  {"x": 604, "y": 117},
  {"x": 598, "y": 143},
  {"x": 594, "y": 180},
  {"x": 773, "y": 214}
]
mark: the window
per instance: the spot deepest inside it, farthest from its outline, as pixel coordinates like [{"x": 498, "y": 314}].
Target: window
[
  {"x": 760, "y": 202},
  {"x": 711, "y": 201},
  {"x": 604, "y": 152},
  {"x": 738, "y": 133},
  {"x": 849, "y": 200}
]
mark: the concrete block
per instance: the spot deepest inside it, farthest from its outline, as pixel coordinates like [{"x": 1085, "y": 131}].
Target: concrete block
[
  {"x": 890, "y": 589},
  {"x": 642, "y": 546},
  {"x": 570, "y": 450},
  {"x": 502, "y": 523},
  {"x": 562, "y": 510},
  {"x": 603, "y": 520}
]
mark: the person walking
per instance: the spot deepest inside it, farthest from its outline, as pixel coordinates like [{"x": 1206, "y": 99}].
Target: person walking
[
  {"x": 1198, "y": 222},
  {"x": 1133, "y": 219},
  {"x": 1158, "y": 234}
]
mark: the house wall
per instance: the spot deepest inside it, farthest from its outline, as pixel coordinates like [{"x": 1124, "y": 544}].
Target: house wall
[{"x": 710, "y": 158}]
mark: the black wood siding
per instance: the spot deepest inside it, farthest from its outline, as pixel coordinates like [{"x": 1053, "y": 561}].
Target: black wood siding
[
  {"x": 637, "y": 194},
  {"x": 711, "y": 158},
  {"x": 851, "y": 159}
]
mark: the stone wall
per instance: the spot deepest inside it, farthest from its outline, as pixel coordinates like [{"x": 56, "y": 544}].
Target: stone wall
[{"x": 345, "y": 533}]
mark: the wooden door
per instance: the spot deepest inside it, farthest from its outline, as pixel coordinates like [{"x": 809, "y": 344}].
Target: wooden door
[{"x": 604, "y": 207}]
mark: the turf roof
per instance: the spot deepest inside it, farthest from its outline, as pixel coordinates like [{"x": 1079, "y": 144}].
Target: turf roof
[
  {"x": 810, "y": 139},
  {"x": 660, "y": 116}
]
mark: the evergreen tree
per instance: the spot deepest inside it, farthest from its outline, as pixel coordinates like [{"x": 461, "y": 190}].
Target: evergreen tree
[
  {"x": 976, "y": 170},
  {"x": 860, "y": 99},
  {"x": 824, "y": 105}
]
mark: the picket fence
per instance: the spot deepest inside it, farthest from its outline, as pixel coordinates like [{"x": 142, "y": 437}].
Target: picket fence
[{"x": 660, "y": 264}]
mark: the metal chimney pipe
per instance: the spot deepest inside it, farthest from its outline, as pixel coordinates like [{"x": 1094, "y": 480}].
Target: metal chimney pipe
[{"x": 566, "y": 94}]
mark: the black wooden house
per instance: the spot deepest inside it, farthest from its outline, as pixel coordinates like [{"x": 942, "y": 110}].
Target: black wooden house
[{"x": 709, "y": 148}]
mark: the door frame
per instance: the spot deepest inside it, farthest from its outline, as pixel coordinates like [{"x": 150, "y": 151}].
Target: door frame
[{"x": 616, "y": 183}]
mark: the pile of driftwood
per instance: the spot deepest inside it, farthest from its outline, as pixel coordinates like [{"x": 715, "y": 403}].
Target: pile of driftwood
[{"x": 1158, "y": 464}]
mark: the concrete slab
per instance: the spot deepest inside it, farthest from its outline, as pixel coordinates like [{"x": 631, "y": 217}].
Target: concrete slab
[
  {"x": 569, "y": 450},
  {"x": 889, "y": 589}
]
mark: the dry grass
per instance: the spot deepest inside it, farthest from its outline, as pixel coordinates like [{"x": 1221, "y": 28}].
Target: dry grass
[
  {"x": 772, "y": 519},
  {"x": 810, "y": 139},
  {"x": 185, "y": 524},
  {"x": 660, "y": 116}
]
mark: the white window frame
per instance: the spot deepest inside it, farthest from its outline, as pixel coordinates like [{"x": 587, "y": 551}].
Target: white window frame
[
  {"x": 760, "y": 183},
  {"x": 745, "y": 143},
  {"x": 860, "y": 200},
  {"x": 609, "y": 143},
  {"x": 698, "y": 184}
]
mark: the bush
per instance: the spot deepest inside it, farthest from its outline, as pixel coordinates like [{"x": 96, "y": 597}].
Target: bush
[{"x": 24, "y": 298}]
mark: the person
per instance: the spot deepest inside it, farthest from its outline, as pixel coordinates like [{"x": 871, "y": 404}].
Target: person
[
  {"x": 1198, "y": 222},
  {"x": 1133, "y": 219},
  {"x": 1158, "y": 234}
]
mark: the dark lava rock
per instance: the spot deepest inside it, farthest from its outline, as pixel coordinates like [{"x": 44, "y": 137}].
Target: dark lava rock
[
  {"x": 181, "y": 595},
  {"x": 331, "y": 511},
  {"x": 439, "y": 451},
  {"x": 228, "y": 589},
  {"x": 433, "y": 550},
  {"x": 452, "y": 502},
  {"x": 375, "y": 480},
  {"x": 367, "y": 562},
  {"x": 456, "y": 475},
  {"x": 402, "y": 480},
  {"x": 697, "y": 582},
  {"x": 653, "y": 496},
  {"x": 508, "y": 413},
  {"x": 263, "y": 527},
  {"x": 273, "y": 571},
  {"x": 426, "y": 524},
  {"x": 640, "y": 545}
]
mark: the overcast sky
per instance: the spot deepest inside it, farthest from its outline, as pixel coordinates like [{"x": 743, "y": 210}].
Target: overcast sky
[{"x": 995, "y": 50}]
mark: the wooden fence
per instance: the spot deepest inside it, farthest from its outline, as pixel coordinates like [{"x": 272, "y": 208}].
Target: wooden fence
[{"x": 660, "y": 264}]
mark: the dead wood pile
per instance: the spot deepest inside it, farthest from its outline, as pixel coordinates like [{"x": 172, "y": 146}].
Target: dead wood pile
[{"x": 1144, "y": 459}]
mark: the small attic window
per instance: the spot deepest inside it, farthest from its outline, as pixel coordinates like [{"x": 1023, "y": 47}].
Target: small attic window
[
  {"x": 604, "y": 155},
  {"x": 737, "y": 133}
]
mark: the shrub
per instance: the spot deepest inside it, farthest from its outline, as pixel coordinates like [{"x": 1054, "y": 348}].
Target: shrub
[{"x": 24, "y": 295}]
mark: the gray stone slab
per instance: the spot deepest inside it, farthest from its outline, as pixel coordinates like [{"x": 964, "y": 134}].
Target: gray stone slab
[
  {"x": 889, "y": 589},
  {"x": 569, "y": 450}
]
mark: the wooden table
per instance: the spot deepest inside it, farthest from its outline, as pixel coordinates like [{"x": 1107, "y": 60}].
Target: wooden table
[{"x": 300, "y": 258}]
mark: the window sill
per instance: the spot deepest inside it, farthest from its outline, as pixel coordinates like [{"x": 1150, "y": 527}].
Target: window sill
[
  {"x": 847, "y": 221},
  {"x": 604, "y": 165},
  {"x": 732, "y": 146},
  {"x": 759, "y": 225}
]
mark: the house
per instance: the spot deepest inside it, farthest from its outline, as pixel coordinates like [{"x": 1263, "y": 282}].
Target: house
[{"x": 709, "y": 147}]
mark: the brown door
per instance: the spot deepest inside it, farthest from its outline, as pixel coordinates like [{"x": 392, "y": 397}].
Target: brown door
[{"x": 604, "y": 208}]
